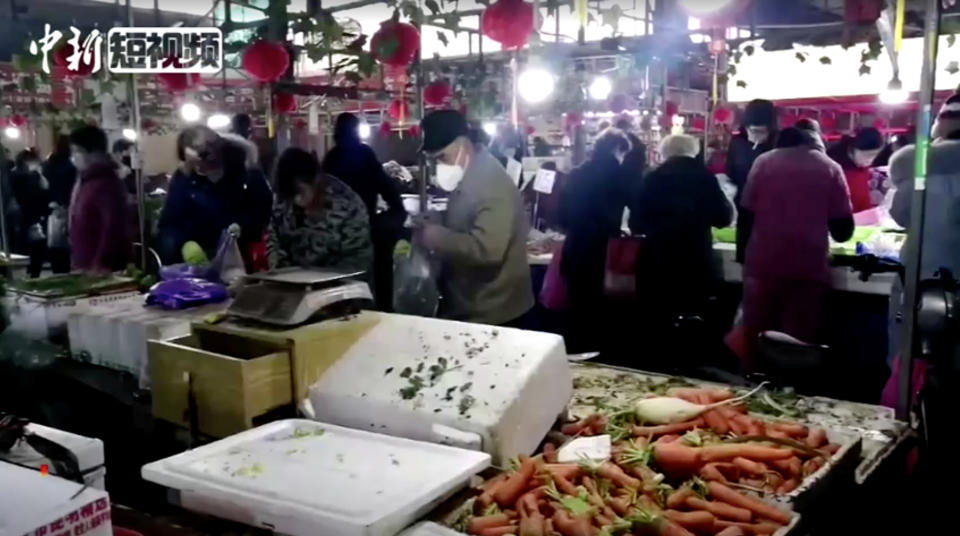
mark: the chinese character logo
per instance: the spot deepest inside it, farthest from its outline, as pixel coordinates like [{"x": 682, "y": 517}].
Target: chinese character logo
[
  {"x": 78, "y": 56},
  {"x": 133, "y": 50},
  {"x": 165, "y": 50}
]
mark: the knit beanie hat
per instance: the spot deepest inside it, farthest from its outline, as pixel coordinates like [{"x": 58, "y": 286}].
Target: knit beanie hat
[
  {"x": 948, "y": 120},
  {"x": 760, "y": 113}
]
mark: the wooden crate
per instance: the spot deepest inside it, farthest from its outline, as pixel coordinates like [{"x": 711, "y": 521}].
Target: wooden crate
[{"x": 233, "y": 379}]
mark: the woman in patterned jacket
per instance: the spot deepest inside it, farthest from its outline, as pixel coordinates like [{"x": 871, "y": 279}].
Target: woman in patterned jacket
[{"x": 318, "y": 221}]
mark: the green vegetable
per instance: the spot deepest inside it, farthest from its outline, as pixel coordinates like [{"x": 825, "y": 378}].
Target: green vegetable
[{"x": 193, "y": 254}]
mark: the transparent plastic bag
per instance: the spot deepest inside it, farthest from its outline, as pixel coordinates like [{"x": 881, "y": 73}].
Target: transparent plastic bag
[
  {"x": 415, "y": 289},
  {"x": 228, "y": 263}
]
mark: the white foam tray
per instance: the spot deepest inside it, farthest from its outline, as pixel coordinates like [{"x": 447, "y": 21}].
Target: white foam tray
[{"x": 301, "y": 477}]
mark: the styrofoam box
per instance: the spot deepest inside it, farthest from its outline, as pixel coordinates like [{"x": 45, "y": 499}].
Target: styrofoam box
[
  {"x": 36, "y": 504},
  {"x": 116, "y": 337},
  {"x": 40, "y": 318},
  {"x": 501, "y": 392},
  {"x": 88, "y": 451},
  {"x": 301, "y": 477}
]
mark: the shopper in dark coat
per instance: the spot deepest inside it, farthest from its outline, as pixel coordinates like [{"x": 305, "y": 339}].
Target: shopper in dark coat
[
  {"x": 32, "y": 194},
  {"x": 757, "y": 136},
  {"x": 99, "y": 240},
  {"x": 61, "y": 175},
  {"x": 355, "y": 164},
  {"x": 213, "y": 189},
  {"x": 675, "y": 209},
  {"x": 591, "y": 212}
]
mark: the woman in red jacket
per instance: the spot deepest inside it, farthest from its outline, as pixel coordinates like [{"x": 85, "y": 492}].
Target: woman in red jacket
[{"x": 855, "y": 155}]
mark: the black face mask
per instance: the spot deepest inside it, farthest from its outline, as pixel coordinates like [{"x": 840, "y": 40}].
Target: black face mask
[{"x": 126, "y": 161}]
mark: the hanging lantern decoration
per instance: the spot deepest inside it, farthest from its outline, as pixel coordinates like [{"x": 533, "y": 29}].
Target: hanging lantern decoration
[
  {"x": 61, "y": 58},
  {"x": 395, "y": 43},
  {"x": 386, "y": 128},
  {"x": 266, "y": 61},
  {"x": 437, "y": 93},
  {"x": 18, "y": 120},
  {"x": 284, "y": 103},
  {"x": 398, "y": 110},
  {"x": 508, "y": 22},
  {"x": 723, "y": 116}
]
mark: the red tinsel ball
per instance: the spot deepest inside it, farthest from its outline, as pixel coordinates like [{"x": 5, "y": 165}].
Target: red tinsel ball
[
  {"x": 399, "y": 110},
  {"x": 395, "y": 43},
  {"x": 437, "y": 93},
  {"x": 18, "y": 120},
  {"x": 61, "y": 57},
  {"x": 266, "y": 61},
  {"x": 508, "y": 22},
  {"x": 284, "y": 103},
  {"x": 178, "y": 82},
  {"x": 722, "y": 115}
]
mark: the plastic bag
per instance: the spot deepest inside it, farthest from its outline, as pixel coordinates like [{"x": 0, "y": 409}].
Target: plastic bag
[
  {"x": 620, "y": 277},
  {"x": 228, "y": 264},
  {"x": 554, "y": 294},
  {"x": 415, "y": 289},
  {"x": 57, "y": 228},
  {"x": 183, "y": 293}
]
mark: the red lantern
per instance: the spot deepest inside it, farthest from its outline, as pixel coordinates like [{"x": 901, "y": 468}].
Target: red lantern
[
  {"x": 508, "y": 22},
  {"x": 722, "y": 115},
  {"x": 398, "y": 110},
  {"x": 266, "y": 61},
  {"x": 386, "y": 128},
  {"x": 284, "y": 103},
  {"x": 395, "y": 43},
  {"x": 437, "y": 93},
  {"x": 18, "y": 120},
  {"x": 61, "y": 58}
]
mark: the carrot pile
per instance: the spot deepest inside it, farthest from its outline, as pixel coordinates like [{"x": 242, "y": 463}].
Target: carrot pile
[
  {"x": 688, "y": 478},
  {"x": 724, "y": 444}
]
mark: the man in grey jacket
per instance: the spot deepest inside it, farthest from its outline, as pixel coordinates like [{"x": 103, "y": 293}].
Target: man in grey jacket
[{"x": 481, "y": 241}]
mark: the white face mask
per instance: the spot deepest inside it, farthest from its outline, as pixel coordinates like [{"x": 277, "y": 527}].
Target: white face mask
[{"x": 450, "y": 175}]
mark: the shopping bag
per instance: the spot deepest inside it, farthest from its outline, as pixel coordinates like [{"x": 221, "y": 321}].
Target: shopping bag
[
  {"x": 228, "y": 264},
  {"x": 553, "y": 294},
  {"x": 57, "y": 228},
  {"x": 620, "y": 275},
  {"x": 415, "y": 289}
]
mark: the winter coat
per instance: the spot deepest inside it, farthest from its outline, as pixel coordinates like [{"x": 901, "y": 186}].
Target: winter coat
[
  {"x": 482, "y": 246},
  {"x": 99, "y": 239},
  {"x": 198, "y": 209},
  {"x": 62, "y": 176},
  {"x": 740, "y": 158},
  {"x": 357, "y": 166},
  {"x": 941, "y": 233},
  {"x": 676, "y": 207},
  {"x": 591, "y": 212}
]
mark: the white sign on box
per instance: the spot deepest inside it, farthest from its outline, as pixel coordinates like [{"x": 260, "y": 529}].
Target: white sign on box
[
  {"x": 513, "y": 169},
  {"x": 544, "y": 180}
]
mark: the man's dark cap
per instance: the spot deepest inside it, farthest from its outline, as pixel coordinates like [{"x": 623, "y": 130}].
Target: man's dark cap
[{"x": 441, "y": 128}]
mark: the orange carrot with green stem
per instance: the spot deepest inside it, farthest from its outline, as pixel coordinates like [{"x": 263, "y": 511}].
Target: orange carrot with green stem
[
  {"x": 695, "y": 521},
  {"x": 720, "y": 510},
  {"x": 478, "y": 523},
  {"x": 510, "y": 490},
  {"x": 721, "y": 492}
]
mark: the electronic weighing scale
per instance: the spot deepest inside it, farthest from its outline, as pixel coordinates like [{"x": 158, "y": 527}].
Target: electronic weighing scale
[{"x": 292, "y": 296}]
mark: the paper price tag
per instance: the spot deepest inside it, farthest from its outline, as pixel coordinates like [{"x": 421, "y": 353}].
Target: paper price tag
[
  {"x": 544, "y": 180},
  {"x": 513, "y": 169}
]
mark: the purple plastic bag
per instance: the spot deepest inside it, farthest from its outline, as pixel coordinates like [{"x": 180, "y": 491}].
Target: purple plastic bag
[
  {"x": 185, "y": 293},
  {"x": 184, "y": 271}
]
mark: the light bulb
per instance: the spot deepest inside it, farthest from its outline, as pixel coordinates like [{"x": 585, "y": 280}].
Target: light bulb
[
  {"x": 490, "y": 128},
  {"x": 535, "y": 85},
  {"x": 364, "y": 131},
  {"x": 130, "y": 134},
  {"x": 894, "y": 94},
  {"x": 190, "y": 112},
  {"x": 600, "y": 88},
  {"x": 12, "y": 132},
  {"x": 218, "y": 121}
]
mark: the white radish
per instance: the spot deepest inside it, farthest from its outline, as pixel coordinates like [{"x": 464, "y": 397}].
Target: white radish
[{"x": 669, "y": 410}]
